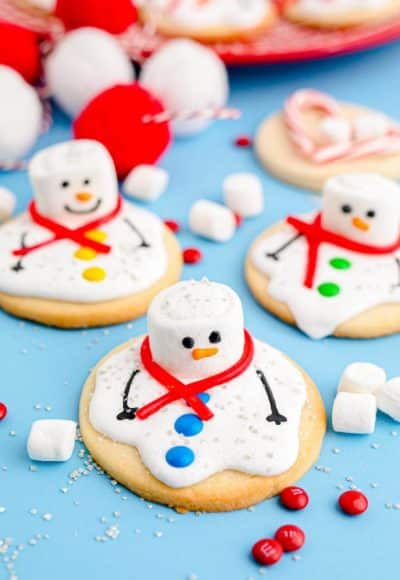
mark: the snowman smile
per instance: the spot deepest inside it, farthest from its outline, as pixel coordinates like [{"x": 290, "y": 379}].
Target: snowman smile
[
  {"x": 360, "y": 224},
  {"x": 83, "y": 211},
  {"x": 200, "y": 353}
]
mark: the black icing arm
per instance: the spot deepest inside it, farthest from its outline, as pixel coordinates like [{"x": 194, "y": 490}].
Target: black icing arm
[
  {"x": 275, "y": 416},
  {"x": 143, "y": 242},
  {"x": 397, "y": 260},
  {"x": 127, "y": 411},
  {"x": 275, "y": 255},
  {"x": 17, "y": 267}
]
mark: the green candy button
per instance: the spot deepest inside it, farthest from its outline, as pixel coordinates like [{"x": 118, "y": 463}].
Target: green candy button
[
  {"x": 340, "y": 263},
  {"x": 328, "y": 289}
]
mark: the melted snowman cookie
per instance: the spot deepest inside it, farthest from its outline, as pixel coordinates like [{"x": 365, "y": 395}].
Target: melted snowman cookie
[
  {"x": 80, "y": 249},
  {"x": 336, "y": 271},
  {"x": 316, "y": 137},
  {"x": 199, "y": 401},
  {"x": 208, "y": 20},
  {"x": 340, "y": 13}
]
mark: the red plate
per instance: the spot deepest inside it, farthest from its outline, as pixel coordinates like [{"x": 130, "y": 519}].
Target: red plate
[{"x": 284, "y": 42}]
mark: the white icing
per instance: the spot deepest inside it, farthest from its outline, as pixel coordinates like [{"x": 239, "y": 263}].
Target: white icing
[
  {"x": 370, "y": 281},
  {"x": 54, "y": 273},
  {"x": 209, "y": 13},
  {"x": 196, "y": 309},
  {"x": 334, "y": 7},
  {"x": 237, "y": 437}
]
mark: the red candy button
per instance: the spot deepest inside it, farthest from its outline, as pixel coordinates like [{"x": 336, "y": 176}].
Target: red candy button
[
  {"x": 238, "y": 220},
  {"x": 353, "y": 502},
  {"x": 267, "y": 551},
  {"x": 243, "y": 141},
  {"x": 3, "y": 411},
  {"x": 294, "y": 498},
  {"x": 172, "y": 225},
  {"x": 192, "y": 255},
  {"x": 290, "y": 537}
]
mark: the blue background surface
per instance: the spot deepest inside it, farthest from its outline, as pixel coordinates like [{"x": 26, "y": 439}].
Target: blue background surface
[{"x": 48, "y": 367}]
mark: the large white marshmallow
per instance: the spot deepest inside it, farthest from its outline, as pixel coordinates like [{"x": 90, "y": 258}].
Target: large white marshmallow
[
  {"x": 146, "y": 182},
  {"x": 7, "y": 204},
  {"x": 51, "y": 440},
  {"x": 187, "y": 77},
  {"x": 364, "y": 207},
  {"x": 212, "y": 220},
  {"x": 188, "y": 319},
  {"x": 83, "y": 64},
  {"x": 20, "y": 115},
  {"x": 243, "y": 194},
  {"x": 388, "y": 399},
  {"x": 74, "y": 181},
  {"x": 354, "y": 413},
  {"x": 362, "y": 377},
  {"x": 371, "y": 126},
  {"x": 335, "y": 130}
]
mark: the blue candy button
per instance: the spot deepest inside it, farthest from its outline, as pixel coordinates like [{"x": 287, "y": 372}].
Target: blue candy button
[
  {"x": 189, "y": 425},
  {"x": 205, "y": 397},
  {"x": 179, "y": 456}
]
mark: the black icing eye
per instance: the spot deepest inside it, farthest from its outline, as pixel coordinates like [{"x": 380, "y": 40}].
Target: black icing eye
[
  {"x": 371, "y": 213},
  {"x": 86, "y": 181},
  {"x": 188, "y": 342},
  {"x": 346, "y": 208},
  {"x": 214, "y": 336},
  {"x": 65, "y": 184}
]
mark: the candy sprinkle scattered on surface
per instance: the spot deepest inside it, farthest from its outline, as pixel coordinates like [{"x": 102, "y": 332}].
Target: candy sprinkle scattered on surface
[{"x": 192, "y": 255}]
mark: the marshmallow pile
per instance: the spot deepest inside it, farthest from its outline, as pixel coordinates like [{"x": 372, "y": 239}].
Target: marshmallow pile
[
  {"x": 364, "y": 389},
  {"x": 243, "y": 196}
]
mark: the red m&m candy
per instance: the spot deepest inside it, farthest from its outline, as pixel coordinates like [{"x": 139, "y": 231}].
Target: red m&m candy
[
  {"x": 267, "y": 551},
  {"x": 294, "y": 498},
  {"x": 353, "y": 502},
  {"x": 243, "y": 141},
  {"x": 192, "y": 255},
  {"x": 290, "y": 537},
  {"x": 172, "y": 225},
  {"x": 3, "y": 411}
]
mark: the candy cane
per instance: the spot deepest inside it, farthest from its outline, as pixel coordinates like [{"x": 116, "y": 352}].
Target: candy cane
[
  {"x": 309, "y": 99},
  {"x": 211, "y": 113}
]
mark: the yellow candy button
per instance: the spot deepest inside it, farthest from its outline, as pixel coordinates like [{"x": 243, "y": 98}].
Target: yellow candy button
[
  {"x": 96, "y": 235},
  {"x": 94, "y": 274},
  {"x": 85, "y": 253}
]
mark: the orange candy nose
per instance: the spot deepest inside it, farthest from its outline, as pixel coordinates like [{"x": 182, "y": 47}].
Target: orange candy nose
[
  {"x": 83, "y": 196},
  {"x": 360, "y": 224},
  {"x": 199, "y": 353}
]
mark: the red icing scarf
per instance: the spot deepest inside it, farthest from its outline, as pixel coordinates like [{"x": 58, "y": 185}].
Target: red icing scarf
[
  {"x": 188, "y": 392},
  {"x": 61, "y": 232},
  {"x": 316, "y": 235}
]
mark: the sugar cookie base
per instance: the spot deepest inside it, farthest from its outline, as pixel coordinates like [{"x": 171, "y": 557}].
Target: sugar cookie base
[
  {"x": 225, "y": 491},
  {"x": 83, "y": 315},
  {"x": 379, "y": 321},
  {"x": 344, "y": 19},
  {"x": 167, "y": 27},
  {"x": 280, "y": 156}
]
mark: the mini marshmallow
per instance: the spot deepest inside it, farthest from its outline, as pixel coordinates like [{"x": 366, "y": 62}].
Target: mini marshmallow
[
  {"x": 188, "y": 77},
  {"x": 212, "y": 220},
  {"x": 354, "y": 413},
  {"x": 370, "y": 126},
  {"x": 20, "y": 115},
  {"x": 83, "y": 64},
  {"x": 146, "y": 182},
  {"x": 362, "y": 377},
  {"x": 388, "y": 399},
  {"x": 335, "y": 130},
  {"x": 7, "y": 204},
  {"x": 243, "y": 194},
  {"x": 51, "y": 440}
]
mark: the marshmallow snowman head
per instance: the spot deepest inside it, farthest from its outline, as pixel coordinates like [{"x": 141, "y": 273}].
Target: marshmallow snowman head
[
  {"x": 362, "y": 207},
  {"x": 74, "y": 182},
  {"x": 196, "y": 329}
]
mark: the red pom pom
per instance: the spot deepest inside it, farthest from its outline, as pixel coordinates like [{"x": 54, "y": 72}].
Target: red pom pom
[
  {"x": 115, "y": 118},
  {"x": 19, "y": 49},
  {"x": 115, "y": 16},
  {"x": 267, "y": 552}
]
